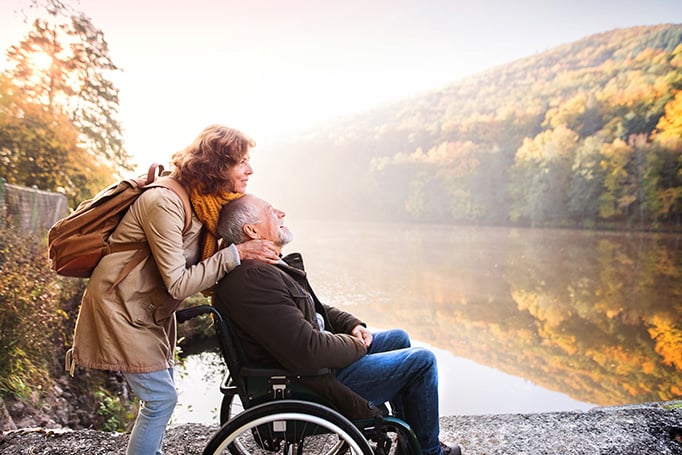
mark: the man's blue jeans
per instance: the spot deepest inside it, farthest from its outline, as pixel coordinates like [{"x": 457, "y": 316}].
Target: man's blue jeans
[
  {"x": 158, "y": 398},
  {"x": 405, "y": 376}
]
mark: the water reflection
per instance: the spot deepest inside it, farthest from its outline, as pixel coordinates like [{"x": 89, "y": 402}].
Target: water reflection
[
  {"x": 577, "y": 317},
  {"x": 466, "y": 388}
]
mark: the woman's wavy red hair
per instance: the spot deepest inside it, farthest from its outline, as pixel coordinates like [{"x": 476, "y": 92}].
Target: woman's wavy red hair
[{"x": 205, "y": 163}]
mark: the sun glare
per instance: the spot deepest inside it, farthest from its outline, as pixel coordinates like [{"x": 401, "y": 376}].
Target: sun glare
[{"x": 41, "y": 61}]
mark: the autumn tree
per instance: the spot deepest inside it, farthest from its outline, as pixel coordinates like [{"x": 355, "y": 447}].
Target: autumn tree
[
  {"x": 58, "y": 78},
  {"x": 586, "y": 181},
  {"x": 35, "y": 144},
  {"x": 668, "y": 137},
  {"x": 541, "y": 176},
  {"x": 669, "y": 127}
]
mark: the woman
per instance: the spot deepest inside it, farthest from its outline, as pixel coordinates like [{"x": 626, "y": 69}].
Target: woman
[{"x": 131, "y": 327}]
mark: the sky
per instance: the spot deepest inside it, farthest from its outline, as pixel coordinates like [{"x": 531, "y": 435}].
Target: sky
[{"x": 272, "y": 68}]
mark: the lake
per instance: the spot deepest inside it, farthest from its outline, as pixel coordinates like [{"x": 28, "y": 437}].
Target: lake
[{"x": 521, "y": 320}]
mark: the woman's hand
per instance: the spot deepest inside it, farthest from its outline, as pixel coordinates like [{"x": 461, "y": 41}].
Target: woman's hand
[
  {"x": 360, "y": 332},
  {"x": 262, "y": 250}
]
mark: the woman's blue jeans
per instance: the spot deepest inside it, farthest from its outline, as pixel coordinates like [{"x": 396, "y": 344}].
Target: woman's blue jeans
[
  {"x": 405, "y": 376},
  {"x": 158, "y": 398}
]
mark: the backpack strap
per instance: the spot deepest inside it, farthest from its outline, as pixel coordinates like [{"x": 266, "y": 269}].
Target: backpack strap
[
  {"x": 137, "y": 258},
  {"x": 155, "y": 171},
  {"x": 177, "y": 188}
]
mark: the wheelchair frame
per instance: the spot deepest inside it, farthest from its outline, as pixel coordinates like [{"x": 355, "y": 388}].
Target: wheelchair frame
[{"x": 282, "y": 416}]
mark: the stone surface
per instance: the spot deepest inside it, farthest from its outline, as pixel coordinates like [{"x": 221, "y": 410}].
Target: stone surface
[
  {"x": 631, "y": 430},
  {"x": 628, "y": 430}
]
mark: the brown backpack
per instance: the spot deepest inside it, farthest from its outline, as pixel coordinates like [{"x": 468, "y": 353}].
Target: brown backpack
[{"x": 77, "y": 242}]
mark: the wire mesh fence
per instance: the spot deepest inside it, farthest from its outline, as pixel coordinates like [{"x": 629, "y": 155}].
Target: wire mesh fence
[{"x": 30, "y": 209}]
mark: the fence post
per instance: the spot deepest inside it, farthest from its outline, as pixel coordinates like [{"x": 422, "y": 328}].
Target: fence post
[
  {"x": 2, "y": 202},
  {"x": 34, "y": 209}
]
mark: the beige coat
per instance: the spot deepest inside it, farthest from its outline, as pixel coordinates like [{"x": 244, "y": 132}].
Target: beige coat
[{"x": 133, "y": 328}]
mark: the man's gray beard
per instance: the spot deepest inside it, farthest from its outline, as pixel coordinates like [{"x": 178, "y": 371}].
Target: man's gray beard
[{"x": 285, "y": 237}]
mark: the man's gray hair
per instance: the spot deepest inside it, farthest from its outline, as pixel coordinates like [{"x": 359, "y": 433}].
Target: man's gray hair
[{"x": 233, "y": 217}]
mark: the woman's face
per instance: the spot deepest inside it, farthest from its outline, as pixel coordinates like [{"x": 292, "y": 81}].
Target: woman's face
[{"x": 238, "y": 175}]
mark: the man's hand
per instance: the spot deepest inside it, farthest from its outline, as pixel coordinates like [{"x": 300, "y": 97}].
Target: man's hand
[
  {"x": 262, "y": 250},
  {"x": 360, "y": 332}
]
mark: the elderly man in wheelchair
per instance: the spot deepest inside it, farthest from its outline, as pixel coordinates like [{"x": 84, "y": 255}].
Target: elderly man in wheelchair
[{"x": 278, "y": 323}]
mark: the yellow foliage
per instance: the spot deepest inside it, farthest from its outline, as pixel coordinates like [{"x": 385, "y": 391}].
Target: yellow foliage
[
  {"x": 668, "y": 337},
  {"x": 670, "y": 125},
  {"x": 545, "y": 308}
]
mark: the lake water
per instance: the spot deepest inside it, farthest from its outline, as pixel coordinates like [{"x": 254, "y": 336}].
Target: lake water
[{"x": 521, "y": 320}]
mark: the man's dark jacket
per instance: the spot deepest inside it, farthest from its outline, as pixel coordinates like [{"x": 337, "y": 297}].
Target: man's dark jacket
[{"x": 272, "y": 308}]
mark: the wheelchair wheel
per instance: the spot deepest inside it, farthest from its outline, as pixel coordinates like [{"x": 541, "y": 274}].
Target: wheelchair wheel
[{"x": 288, "y": 427}]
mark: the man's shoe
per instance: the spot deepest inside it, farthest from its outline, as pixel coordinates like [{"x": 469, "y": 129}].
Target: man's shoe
[{"x": 450, "y": 450}]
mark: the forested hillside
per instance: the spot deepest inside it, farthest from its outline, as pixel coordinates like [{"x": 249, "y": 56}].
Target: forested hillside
[{"x": 586, "y": 134}]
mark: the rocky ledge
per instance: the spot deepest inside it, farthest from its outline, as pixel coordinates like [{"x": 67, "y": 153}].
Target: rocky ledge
[{"x": 653, "y": 428}]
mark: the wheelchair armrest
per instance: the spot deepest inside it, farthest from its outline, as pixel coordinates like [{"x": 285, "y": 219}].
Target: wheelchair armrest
[
  {"x": 194, "y": 311},
  {"x": 268, "y": 372}
]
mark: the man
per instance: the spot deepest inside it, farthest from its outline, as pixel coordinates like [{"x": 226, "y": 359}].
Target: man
[{"x": 281, "y": 323}]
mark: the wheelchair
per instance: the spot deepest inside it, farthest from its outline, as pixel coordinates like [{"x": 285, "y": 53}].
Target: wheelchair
[{"x": 281, "y": 416}]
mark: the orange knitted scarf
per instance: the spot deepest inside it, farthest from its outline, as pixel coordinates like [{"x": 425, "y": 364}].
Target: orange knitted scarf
[{"x": 207, "y": 209}]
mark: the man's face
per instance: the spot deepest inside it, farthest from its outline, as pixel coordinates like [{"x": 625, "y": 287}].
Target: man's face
[{"x": 271, "y": 223}]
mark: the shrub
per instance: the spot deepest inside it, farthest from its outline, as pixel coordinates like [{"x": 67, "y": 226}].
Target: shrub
[
  {"x": 30, "y": 315},
  {"x": 38, "y": 310},
  {"x": 114, "y": 411}
]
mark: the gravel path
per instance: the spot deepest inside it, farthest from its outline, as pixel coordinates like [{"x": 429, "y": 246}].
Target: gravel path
[{"x": 627, "y": 430}]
